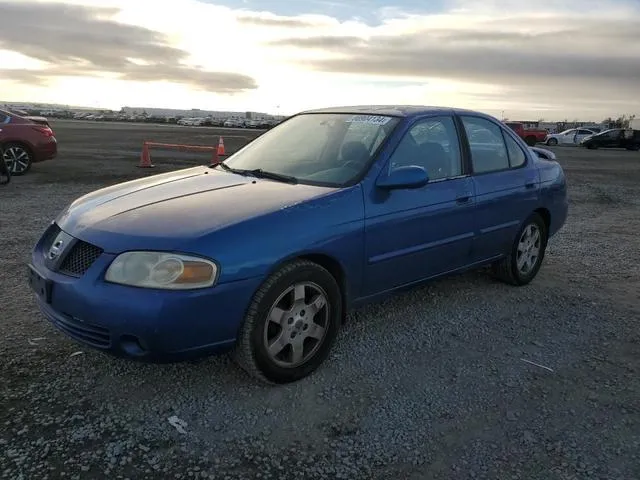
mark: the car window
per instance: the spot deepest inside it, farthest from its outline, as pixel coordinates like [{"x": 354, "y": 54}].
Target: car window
[
  {"x": 517, "y": 157},
  {"x": 585, "y": 132},
  {"x": 4, "y": 118},
  {"x": 318, "y": 148},
  {"x": 432, "y": 144},
  {"x": 488, "y": 150}
]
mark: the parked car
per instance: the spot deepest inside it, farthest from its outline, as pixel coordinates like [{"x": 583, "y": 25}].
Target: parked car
[
  {"x": 39, "y": 120},
  {"x": 530, "y": 135},
  {"x": 572, "y": 136},
  {"x": 330, "y": 210},
  {"x": 614, "y": 138},
  {"x": 25, "y": 142},
  {"x": 5, "y": 174}
]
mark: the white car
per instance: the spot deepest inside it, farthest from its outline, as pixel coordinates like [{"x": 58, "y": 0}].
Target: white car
[{"x": 573, "y": 136}]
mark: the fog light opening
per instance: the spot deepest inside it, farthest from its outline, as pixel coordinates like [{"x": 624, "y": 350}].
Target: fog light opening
[{"x": 132, "y": 345}]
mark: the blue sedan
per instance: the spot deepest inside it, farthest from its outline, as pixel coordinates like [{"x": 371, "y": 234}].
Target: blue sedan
[{"x": 263, "y": 254}]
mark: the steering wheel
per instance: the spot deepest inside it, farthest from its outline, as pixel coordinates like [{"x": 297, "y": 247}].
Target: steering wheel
[{"x": 353, "y": 165}]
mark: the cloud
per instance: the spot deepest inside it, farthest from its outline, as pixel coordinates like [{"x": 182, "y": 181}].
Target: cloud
[
  {"x": 549, "y": 55},
  {"x": 77, "y": 40},
  {"x": 529, "y": 59},
  {"x": 266, "y": 19}
]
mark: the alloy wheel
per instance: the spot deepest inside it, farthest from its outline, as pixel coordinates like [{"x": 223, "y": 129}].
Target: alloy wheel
[
  {"x": 17, "y": 159},
  {"x": 529, "y": 249},
  {"x": 297, "y": 325}
]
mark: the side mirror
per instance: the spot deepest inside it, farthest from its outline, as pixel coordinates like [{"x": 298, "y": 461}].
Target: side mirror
[{"x": 411, "y": 176}]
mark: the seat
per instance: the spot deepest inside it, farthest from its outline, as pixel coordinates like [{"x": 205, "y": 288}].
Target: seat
[
  {"x": 354, "y": 152},
  {"x": 435, "y": 160}
]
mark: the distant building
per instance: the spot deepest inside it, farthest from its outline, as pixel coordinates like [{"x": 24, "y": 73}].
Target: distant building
[{"x": 196, "y": 113}]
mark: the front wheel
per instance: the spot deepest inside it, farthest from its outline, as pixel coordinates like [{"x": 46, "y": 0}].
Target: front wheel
[
  {"x": 552, "y": 142},
  {"x": 291, "y": 324},
  {"x": 527, "y": 252}
]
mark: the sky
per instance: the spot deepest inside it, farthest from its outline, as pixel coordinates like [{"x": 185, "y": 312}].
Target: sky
[{"x": 544, "y": 59}]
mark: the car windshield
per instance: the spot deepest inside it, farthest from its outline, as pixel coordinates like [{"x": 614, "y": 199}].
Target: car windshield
[{"x": 330, "y": 149}]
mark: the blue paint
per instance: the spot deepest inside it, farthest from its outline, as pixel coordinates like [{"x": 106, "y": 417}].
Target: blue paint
[{"x": 384, "y": 239}]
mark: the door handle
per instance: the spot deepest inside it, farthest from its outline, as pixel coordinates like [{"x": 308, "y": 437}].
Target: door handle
[
  {"x": 530, "y": 185},
  {"x": 464, "y": 198}
]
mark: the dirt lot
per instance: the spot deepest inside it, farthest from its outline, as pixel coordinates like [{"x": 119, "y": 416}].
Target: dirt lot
[{"x": 430, "y": 384}]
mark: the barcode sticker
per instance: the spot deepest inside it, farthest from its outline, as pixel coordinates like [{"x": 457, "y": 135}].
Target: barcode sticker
[{"x": 370, "y": 119}]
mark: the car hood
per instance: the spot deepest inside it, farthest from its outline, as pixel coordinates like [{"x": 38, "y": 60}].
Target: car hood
[{"x": 164, "y": 211}]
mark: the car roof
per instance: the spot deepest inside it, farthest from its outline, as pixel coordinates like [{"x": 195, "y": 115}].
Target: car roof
[{"x": 391, "y": 110}]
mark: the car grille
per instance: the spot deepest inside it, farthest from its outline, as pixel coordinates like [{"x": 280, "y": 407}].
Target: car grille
[
  {"x": 91, "y": 334},
  {"x": 79, "y": 259}
]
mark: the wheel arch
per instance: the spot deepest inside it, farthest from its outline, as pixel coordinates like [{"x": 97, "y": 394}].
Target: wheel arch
[
  {"x": 546, "y": 216},
  {"x": 329, "y": 263},
  {"x": 19, "y": 143}
]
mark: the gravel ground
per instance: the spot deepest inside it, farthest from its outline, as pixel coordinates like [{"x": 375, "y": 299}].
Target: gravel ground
[{"x": 430, "y": 384}]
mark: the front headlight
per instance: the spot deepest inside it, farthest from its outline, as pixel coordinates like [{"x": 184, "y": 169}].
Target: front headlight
[{"x": 169, "y": 271}]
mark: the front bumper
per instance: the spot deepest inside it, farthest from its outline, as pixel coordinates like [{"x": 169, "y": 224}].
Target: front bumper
[{"x": 143, "y": 324}]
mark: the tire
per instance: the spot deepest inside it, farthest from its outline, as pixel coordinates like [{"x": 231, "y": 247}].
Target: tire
[
  {"x": 635, "y": 147},
  {"x": 552, "y": 141},
  {"x": 297, "y": 322},
  {"x": 18, "y": 158},
  {"x": 531, "y": 141},
  {"x": 507, "y": 269},
  {"x": 5, "y": 174}
]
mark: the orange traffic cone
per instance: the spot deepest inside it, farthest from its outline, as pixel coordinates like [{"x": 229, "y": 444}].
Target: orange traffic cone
[
  {"x": 220, "y": 151},
  {"x": 145, "y": 158},
  {"x": 215, "y": 159}
]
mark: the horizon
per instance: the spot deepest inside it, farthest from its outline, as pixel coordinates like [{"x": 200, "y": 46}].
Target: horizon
[
  {"x": 44, "y": 106},
  {"x": 277, "y": 57}
]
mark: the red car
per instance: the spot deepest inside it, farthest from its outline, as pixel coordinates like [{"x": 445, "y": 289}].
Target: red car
[
  {"x": 25, "y": 141},
  {"x": 529, "y": 135}
]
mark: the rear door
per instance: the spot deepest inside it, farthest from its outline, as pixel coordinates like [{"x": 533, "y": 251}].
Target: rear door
[{"x": 505, "y": 183}]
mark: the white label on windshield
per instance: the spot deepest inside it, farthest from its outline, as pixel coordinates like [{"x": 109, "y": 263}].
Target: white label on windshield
[{"x": 371, "y": 119}]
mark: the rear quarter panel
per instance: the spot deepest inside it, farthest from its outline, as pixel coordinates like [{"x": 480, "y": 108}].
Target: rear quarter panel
[{"x": 553, "y": 193}]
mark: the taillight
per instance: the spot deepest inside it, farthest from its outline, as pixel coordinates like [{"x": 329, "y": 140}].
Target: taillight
[{"x": 46, "y": 131}]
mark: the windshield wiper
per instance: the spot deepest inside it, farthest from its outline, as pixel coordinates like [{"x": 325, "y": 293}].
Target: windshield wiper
[
  {"x": 225, "y": 167},
  {"x": 258, "y": 172}
]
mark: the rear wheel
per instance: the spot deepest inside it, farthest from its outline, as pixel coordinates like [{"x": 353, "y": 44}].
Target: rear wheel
[
  {"x": 531, "y": 141},
  {"x": 525, "y": 259},
  {"x": 291, "y": 324},
  {"x": 18, "y": 158}
]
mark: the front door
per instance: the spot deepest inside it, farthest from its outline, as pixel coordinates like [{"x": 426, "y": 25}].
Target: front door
[
  {"x": 569, "y": 137},
  {"x": 414, "y": 234}
]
